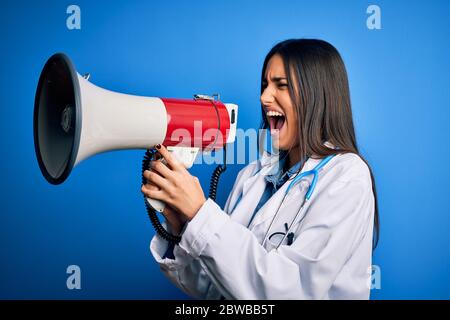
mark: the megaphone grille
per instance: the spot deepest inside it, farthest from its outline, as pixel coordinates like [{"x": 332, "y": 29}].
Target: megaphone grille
[{"x": 57, "y": 118}]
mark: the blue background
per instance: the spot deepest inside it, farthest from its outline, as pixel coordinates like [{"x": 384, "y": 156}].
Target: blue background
[{"x": 399, "y": 79}]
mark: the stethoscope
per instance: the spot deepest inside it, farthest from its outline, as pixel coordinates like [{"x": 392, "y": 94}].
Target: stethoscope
[{"x": 315, "y": 174}]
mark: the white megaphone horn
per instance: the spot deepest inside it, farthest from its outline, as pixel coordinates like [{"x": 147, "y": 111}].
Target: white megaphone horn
[{"x": 75, "y": 119}]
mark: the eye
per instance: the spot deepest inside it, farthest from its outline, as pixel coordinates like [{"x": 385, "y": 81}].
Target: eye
[{"x": 282, "y": 85}]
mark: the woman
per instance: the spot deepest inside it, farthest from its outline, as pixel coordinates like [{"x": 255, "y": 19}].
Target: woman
[{"x": 249, "y": 250}]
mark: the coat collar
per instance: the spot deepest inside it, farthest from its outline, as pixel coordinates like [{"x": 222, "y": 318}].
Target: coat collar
[{"x": 267, "y": 164}]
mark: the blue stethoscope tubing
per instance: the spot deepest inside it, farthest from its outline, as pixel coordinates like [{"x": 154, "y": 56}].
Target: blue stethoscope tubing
[{"x": 315, "y": 174}]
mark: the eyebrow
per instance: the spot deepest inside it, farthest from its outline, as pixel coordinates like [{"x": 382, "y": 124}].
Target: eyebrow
[{"x": 276, "y": 79}]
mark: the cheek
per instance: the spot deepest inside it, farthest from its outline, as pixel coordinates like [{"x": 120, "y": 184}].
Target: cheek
[
  {"x": 292, "y": 123},
  {"x": 291, "y": 115},
  {"x": 293, "y": 129}
]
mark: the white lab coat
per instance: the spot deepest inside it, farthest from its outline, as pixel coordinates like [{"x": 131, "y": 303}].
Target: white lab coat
[{"x": 330, "y": 257}]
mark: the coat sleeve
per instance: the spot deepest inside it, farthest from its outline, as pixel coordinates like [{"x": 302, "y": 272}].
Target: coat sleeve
[
  {"x": 185, "y": 271},
  {"x": 241, "y": 268}
]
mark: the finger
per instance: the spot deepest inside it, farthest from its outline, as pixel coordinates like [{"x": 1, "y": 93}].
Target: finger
[
  {"x": 157, "y": 156},
  {"x": 156, "y": 179},
  {"x": 161, "y": 168},
  {"x": 151, "y": 186},
  {"x": 154, "y": 194},
  {"x": 171, "y": 161}
]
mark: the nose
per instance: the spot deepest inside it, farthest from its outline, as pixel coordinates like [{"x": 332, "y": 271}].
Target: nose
[{"x": 267, "y": 96}]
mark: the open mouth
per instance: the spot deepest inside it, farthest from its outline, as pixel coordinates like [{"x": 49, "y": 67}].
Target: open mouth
[{"x": 276, "y": 120}]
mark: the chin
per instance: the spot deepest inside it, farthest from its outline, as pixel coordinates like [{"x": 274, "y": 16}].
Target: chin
[{"x": 280, "y": 146}]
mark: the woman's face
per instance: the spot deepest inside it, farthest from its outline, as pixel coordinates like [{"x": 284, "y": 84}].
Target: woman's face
[{"x": 278, "y": 105}]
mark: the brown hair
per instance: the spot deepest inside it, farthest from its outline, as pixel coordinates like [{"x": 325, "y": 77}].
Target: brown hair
[{"x": 318, "y": 86}]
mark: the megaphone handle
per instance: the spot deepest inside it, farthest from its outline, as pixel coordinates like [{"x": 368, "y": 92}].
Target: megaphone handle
[
  {"x": 152, "y": 205},
  {"x": 158, "y": 205},
  {"x": 186, "y": 156}
]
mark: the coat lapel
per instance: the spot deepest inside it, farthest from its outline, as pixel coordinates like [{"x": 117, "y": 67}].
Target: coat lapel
[
  {"x": 249, "y": 199},
  {"x": 252, "y": 190},
  {"x": 286, "y": 207}
]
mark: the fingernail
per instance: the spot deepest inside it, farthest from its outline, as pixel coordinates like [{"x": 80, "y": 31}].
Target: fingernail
[{"x": 158, "y": 146}]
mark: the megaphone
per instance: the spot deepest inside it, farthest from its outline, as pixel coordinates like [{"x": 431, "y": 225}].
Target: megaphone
[{"x": 75, "y": 119}]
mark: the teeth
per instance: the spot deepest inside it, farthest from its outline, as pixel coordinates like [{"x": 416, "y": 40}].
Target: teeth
[{"x": 274, "y": 114}]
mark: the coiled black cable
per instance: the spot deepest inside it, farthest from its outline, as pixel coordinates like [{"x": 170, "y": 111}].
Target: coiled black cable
[
  {"x": 216, "y": 175},
  {"x": 152, "y": 213}
]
